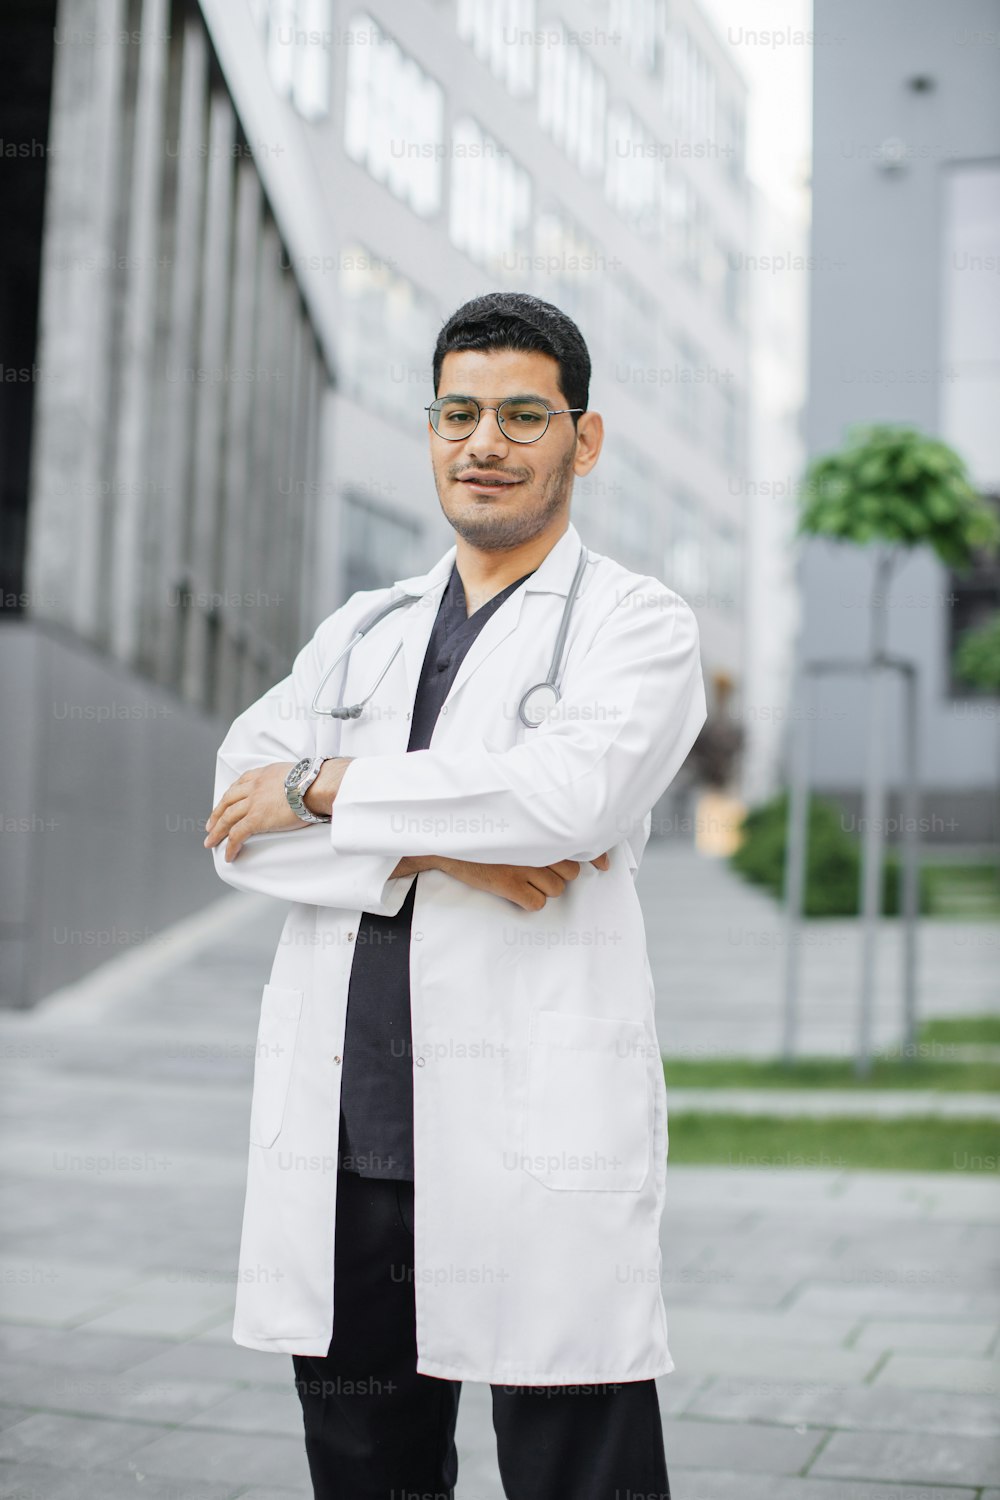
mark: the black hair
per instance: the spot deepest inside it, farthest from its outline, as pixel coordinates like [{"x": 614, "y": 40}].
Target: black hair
[{"x": 516, "y": 320}]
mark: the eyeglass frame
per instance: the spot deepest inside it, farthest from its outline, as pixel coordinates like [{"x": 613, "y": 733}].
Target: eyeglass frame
[{"x": 565, "y": 411}]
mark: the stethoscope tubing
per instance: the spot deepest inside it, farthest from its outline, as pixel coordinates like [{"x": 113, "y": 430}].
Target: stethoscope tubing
[{"x": 380, "y": 614}]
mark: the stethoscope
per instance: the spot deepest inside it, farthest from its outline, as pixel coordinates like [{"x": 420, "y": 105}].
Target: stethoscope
[{"x": 536, "y": 702}]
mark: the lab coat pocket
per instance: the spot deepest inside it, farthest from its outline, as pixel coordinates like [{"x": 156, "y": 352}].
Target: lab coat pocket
[
  {"x": 587, "y": 1108},
  {"x": 279, "y": 1019}
]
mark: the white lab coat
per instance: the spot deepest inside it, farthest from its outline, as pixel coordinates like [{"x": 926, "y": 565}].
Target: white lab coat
[{"x": 540, "y": 1126}]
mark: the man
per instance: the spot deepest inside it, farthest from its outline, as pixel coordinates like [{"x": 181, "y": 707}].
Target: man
[{"x": 461, "y": 1002}]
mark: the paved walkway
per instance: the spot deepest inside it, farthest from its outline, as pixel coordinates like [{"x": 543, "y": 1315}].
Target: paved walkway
[
  {"x": 836, "y": 1334},
  {"x": 717, "y": 947}
]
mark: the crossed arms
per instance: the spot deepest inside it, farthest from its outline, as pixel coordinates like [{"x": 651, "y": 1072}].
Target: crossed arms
[{"x": 582, "y": 783}]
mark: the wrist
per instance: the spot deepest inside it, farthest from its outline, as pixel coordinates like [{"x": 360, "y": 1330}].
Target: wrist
[
  {"x": 320, "y": 797},
  {"x": 413, "y": 864}
]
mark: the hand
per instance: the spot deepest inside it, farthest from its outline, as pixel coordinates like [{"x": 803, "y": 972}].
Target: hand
[
  {"x": 255, "y": 803},
  {"x": 527, "y": 886}
]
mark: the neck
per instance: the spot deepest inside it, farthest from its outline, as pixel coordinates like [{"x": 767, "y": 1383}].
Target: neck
[{"x": 485, "y": 573}]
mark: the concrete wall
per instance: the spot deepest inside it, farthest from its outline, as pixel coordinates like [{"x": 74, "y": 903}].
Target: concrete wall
[
  {"x": 881, "y": 346},
  {"x": 107, "y": 784}
]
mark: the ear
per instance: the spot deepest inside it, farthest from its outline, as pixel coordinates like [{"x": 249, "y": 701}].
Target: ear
[{"x": 589, "y": 441}]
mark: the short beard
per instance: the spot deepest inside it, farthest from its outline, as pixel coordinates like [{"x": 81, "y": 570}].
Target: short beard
[{"x": 492, "y": 531}]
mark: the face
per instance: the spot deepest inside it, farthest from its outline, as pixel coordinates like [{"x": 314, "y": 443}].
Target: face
[{"x": 497, "y": 493}]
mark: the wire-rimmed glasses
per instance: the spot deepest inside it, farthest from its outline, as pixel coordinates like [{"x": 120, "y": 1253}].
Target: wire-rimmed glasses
[{"x": 521, "y": 419}]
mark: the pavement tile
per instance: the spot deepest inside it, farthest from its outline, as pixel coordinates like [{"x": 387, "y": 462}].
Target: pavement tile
[
  {"x": 742, "y": 1447},
  {"x": 771, "y": 1361},
  {"x": 941, "y": 1374},
  {"x": 43, "y": 1482},
  {"x": 243, "y": 1459},
  {"x": 930, "y": 1458},
  {"x": 254, "y": 1411},
  {"x": 952, "y": 1337},
  {"x": 851, "y": 1406},
  {"x": 71, "y": 1442},
  {"x": 93, "y": 1351},
  {"x": 127, "y": 1395},
  {"x": 701, "y": 1484},
  {"x": 198, "y": 1360}
]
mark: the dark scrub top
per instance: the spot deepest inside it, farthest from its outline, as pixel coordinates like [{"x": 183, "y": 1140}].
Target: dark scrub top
[{"x": 376, "y": 1100}]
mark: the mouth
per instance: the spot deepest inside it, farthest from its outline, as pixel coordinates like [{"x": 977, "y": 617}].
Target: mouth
[{"x": 487, "y": 483}]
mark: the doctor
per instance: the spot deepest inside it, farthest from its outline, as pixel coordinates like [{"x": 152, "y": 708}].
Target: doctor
[{"x": 458, "y": 1130}]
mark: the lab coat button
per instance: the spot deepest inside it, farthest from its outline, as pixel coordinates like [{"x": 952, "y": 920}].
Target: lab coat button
[
  {"x": 350, "y": 937},
  {"x": 336, "y": 1057},
  {"x": 420, "y": 1061}
]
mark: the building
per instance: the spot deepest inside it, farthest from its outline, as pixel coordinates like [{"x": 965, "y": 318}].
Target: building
[
  {"x": 905, "y": 327},
  {"x": 248, "y": 220}
]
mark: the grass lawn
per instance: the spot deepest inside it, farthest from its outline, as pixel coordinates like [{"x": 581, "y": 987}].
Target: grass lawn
[
  {"x": 961, "y": 891},
  {"x": 920, "y": 1072},
  {"x": 964, "y": 1030},
  {"x": 916, "y": 1145}
]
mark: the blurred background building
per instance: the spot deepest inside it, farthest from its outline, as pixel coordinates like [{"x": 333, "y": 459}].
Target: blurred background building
[
  {"x": 905, "y": 327},
  {"x": 237, "y": 227}
]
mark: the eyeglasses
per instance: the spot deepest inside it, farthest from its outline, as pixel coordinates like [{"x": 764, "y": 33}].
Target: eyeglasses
[{"x": 455, "y": 417}]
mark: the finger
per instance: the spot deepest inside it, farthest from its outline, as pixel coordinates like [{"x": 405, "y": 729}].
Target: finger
[
  {"x": 229, "y": 816},
  {"x": 569, "y": 869},
  {"x": 602, "y": 862},
  {"x": 237, "y": 838},
  {"x": 236, "y": 792},
  {"x": 547, "y": 881}
]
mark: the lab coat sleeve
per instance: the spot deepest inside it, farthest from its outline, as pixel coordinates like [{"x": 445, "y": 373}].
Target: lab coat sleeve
[
  {"x": 580, "y": 784},
  {"x": 299, "y": 864}
]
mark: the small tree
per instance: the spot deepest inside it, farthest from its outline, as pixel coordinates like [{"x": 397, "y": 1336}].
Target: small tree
[
  {"x": 898, "y": 489},
  {"x": 895, "y": 487}
]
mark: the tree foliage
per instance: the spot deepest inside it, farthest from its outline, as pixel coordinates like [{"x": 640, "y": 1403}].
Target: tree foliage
[{"x": 895, "y": 485}]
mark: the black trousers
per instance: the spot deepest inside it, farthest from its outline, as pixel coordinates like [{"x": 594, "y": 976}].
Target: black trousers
[{"x": 376, "y": 1430}]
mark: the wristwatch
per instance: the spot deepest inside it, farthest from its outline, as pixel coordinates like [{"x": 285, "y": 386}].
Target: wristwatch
[{"x": 298, "y": 781}]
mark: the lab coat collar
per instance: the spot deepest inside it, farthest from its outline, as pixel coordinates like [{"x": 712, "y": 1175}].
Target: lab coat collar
[{"x": 554, "y": 574}]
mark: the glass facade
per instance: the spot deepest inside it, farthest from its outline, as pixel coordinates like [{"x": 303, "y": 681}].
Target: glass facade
[
  {"x": 296, "y": 36},
  {"x": 497, "y": 32},
  {"x": 393, "y": 117},
  {"x": 387, "y": 336},
  {"x": 489, "y": 210}
]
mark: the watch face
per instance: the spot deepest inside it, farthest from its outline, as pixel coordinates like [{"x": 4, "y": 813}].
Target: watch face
[{"x": 297, "y": 772}]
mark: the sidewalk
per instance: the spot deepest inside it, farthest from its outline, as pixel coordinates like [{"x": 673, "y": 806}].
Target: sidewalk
[
  {"x": 836, "y": 1334},
  {"x": 717, "y": 948}
]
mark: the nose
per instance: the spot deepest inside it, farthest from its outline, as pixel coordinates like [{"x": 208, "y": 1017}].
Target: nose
[{"x": 488, "y": 438}]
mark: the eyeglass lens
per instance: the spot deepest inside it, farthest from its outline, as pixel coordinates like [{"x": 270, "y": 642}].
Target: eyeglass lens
[{"x": 521, "y": 421}]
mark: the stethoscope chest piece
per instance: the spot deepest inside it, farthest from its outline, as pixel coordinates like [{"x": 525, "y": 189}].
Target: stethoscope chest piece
[{"x": 537, "y": 703}]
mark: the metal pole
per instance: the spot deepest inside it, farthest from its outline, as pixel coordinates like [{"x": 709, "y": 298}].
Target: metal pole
[
  {"x": 910, "y": 894},
  {"x": 796, "y": 850},
  {"x": 871, "y": 864}
]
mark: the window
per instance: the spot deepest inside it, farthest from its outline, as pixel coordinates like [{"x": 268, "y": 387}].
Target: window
[
  {"x": 632, "y": 518},
  {"x": 572, "y": 101},
  {"x": 633, "y": 178},
  {"x": 684, "y": 563},
  {"x": 689, "y": 87},
  {"x": 500, "y": 33},
  {"x": 387, "y": 332},
  {"x": 379, "y": 543},
  {"x": 490, "y": 206},
  {"x": 687, "y": 389},
  {"x": 725, "y": 567},
  {"x": 296, "y": 35},
  {"x": 631, "y": 335},
  {"x": 394, "y": 117},
  {"x": 570, "y": 269},
  {"x": 639, "y": 26}
]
